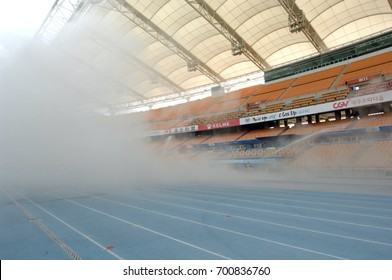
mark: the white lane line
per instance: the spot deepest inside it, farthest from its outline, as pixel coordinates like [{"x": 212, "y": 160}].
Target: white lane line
[
  {"x": 317, "y": 194},
  {"x": 313, "y": 193},
  {"x": 46, "y": 230},
  {"x": 225, "y": 230},
  {"x": 149, "y": 230},
  {"x": 286, "y": 205},
  {"x": 260, "y": 221},
  {"x": 318, "y": 202},
  {"x": 274, "y": 212},
  {"x": 261, "y": 195},
  {"x": 76, "y": 230}
]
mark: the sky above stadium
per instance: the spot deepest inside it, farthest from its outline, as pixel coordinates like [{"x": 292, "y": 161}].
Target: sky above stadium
[
  {"x": 22, "y": 17},
  {"x": 19, "y": 21}
]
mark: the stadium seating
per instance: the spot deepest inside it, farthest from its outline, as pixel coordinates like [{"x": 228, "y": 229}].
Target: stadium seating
[
  {"x": 307, "y": 90},
  {"x": 319, "y": 75},
  {"x": 308, "y": 129},
  {"x": 227, "y": 137},
  {"x": 374, "y": 121},
  {"x": 301, "y": 102},
  {"x": 270, "y": 92},
  {"x": 226, "y": 106},
  {"x": 332, "y": 96},
  {"x": 327, "y": 156},
  {"x": 260, "y": 133},
  {"x": 258, "y": 99},
  {"x": 312, "y": 87},
  {"x": 377, "y": 155},
  {"x": 369, "y": 62},
  {"x": 314, "y": 82},
  {"x": 197, "y": 139},
  {"x": 241, "y": 93},
  {"x": 384, "y": 69}
]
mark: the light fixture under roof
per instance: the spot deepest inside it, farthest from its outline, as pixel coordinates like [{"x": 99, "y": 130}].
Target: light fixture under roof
[
  {"x": 296, "y": 24},
  {"x": 192, "y": 66},
  {"x": 237, "y": 48}
]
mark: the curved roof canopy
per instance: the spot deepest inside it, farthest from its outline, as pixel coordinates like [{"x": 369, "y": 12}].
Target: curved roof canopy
[{"x": 152, "y": 50}]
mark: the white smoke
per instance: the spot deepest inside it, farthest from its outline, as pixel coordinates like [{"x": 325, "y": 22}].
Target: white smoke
[{"x": 50, "y": 137}]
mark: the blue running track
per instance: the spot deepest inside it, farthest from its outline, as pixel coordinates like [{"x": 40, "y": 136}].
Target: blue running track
[{"x": 200, "y": 221}]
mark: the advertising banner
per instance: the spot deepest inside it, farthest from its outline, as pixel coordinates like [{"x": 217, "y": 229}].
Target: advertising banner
[
  {"x": 358, "y": 101},
  {"x": 184, "y": 129},
  {"x": 362, "y": 79},
  {"x": 157, "y": 132},
  {"x": 216, "y": 125},
  {"x": 321, "y": 108}
]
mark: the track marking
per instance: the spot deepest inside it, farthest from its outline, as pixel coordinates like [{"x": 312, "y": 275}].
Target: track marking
[
  {"x": 276, "y": 212},
  {"x": 288, "y": 195},
  {"x": 297, "y": 192},
  {"x": 259, "y": 221},
  {"x": 149, "y": 230},
  {"x": 281, "y": 185},
  {"x": 42, "y": 227},
  {"x": 76, "y": 230},
  {"x": 221, "y": 229},
  {"x": 291, "y": 206}
]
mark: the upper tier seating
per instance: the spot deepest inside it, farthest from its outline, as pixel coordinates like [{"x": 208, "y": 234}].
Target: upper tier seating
[
  {"x": 260, "y": 133},
  {"x": 227, "y": 137},
  {"x": 310, "y": 89},
  {"x": 308, "y": 129}
]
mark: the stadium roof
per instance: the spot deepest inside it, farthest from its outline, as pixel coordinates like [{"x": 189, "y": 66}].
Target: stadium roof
[{"x": 156, "y": 50}]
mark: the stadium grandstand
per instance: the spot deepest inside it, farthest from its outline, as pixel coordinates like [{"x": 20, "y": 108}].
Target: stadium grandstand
[
  {"x": 196, "y": 129},
  {"x": 318, "y": 114}
]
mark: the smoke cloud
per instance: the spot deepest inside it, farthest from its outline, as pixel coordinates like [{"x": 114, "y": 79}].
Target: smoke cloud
[{"x": 51, "y": 139}]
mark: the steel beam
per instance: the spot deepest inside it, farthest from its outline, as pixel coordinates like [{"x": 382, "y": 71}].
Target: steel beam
[
  {"x": 158, "y": 34},
  {"x": 61, "y": 13},
  {"x": 293, "y": 11},
  {"x": 237, "y": 42},
  {"x": 102, "y": 76},
  {"x": 150, "y": 71}
]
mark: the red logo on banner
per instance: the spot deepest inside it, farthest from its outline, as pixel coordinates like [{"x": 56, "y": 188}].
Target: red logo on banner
[
  {"x": 340, "y": 104},
  {"x": 217, "y": 125}
]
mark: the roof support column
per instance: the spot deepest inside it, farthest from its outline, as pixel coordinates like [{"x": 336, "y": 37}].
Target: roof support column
[
  {"x": 296, "y": 16},
  {"x": 153, "y": 30},
  {"x": 239, "y": 46}
]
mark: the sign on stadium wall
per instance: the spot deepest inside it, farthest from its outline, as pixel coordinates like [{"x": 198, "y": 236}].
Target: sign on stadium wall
[
  {"x": 184, "y": 129},
  {"x": 299, "y": 112},
  {"x": 176, "y": 130},
  {"x": 216, "y": 125},
  {"x": 362, "y": 79},
  {"x": 157, "y": 132},
  {"x": 321, "y": 108},
  {"x": 363, "y": 100}
]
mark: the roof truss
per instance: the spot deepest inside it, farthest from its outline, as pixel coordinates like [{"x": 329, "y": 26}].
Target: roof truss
[
  {"x": 61, "y": 13},
  {"x": 150, "y": 71},
  {"x": 139, "y": 19},
  {"x": 238, "y": 44},
  {"x": 294, "y": 11},
  {"x": 100, "y": 75}
]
